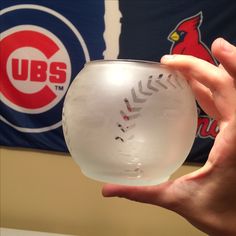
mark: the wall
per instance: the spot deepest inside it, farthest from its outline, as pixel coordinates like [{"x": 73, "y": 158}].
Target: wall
[{"x": 47, "y": 192}]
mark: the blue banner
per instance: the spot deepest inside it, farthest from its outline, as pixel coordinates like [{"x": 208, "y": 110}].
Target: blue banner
[{"x": 44, "y": 44}]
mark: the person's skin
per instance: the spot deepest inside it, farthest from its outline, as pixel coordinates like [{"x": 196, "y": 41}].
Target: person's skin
[{"x": 206, "y": 197}]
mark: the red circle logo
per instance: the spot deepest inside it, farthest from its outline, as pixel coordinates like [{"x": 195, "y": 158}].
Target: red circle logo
[{"x": 36, "y": 69}]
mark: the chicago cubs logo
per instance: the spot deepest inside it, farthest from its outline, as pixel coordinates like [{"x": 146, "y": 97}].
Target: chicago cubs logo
[
  {"x": 36, "y": 69},
  {"x": 186, "y": 39},
  {"x": 37, "y": 65}
]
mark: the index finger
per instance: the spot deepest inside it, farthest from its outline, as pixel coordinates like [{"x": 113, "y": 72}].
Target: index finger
[{"x": 195, "y": 68}]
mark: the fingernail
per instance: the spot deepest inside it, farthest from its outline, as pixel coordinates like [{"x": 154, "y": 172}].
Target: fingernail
[
  {"x": 167, "y": 57},
  {"x": 226, "y": 46}
]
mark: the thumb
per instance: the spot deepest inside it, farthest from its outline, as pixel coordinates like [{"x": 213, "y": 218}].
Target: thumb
[{"x": 161, "y": 195}]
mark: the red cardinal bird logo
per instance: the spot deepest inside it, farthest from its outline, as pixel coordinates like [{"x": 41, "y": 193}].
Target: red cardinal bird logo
[{"x": 186, "y": 39}]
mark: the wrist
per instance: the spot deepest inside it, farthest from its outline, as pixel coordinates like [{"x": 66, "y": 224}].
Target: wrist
[{"x": 221, "y": 226}]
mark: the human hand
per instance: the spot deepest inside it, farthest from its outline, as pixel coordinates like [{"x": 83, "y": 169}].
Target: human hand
[{"x": 206, "y": 197}]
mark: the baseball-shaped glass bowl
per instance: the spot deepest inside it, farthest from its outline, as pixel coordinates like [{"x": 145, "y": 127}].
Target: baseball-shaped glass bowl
[{"x": 129, "y": 122}]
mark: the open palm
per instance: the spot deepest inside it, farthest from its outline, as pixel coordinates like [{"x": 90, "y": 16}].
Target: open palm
[{"x": 206, "y": 197}]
